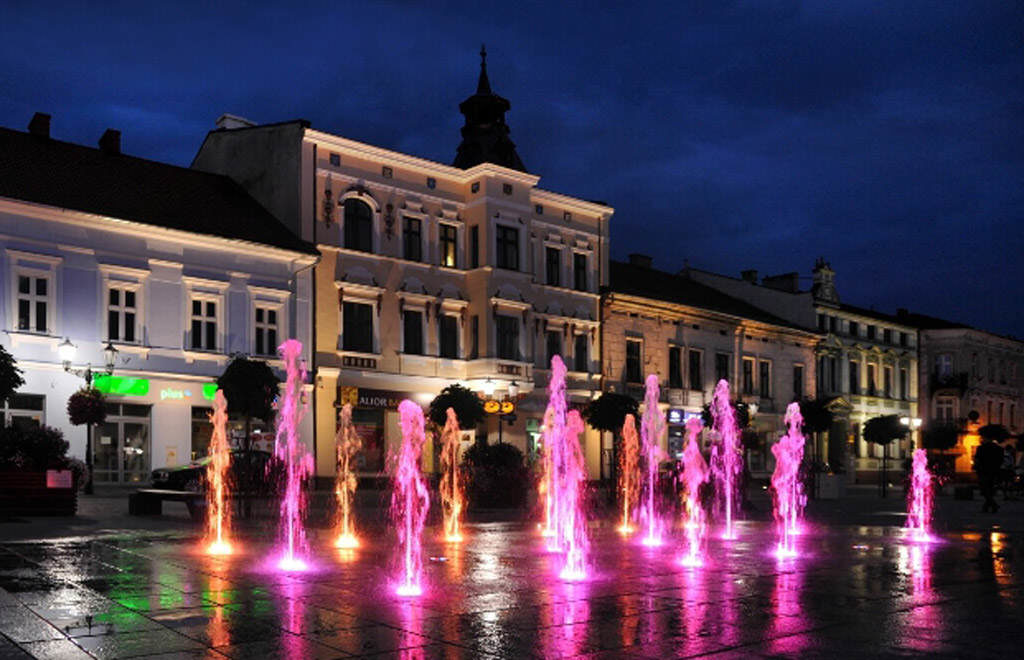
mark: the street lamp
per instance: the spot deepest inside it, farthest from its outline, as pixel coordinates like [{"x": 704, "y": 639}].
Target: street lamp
[
  {"x": 912, "y": 424},
  {"x": 513, "y": 390},
  {"x": 488, "y": 388},
  {"x": 67, "y": 351}
]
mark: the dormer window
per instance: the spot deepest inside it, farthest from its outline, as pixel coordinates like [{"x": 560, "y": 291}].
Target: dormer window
[{"x": 506, "y": 188}]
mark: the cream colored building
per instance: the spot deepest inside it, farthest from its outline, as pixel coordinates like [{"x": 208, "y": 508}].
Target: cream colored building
[
  {"x": 692, "y": 336},
  {"x": 431, "y": 274}
]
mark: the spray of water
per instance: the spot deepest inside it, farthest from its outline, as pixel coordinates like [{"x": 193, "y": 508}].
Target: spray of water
[
  {"x": 695, "y": 475},
  {"x": 629, "y": 474},
  {"x": 451, "y": 487},
  {"x": 788, "y": 490},
  {"x": 572, "y": 524},
  {"x": 726, "y": 455},
  {"x": 293, "y": 454},
  {"x": 410, "y": 500},
  {"x": 652, "y": 428},
  {"x": 347, "y": 443},
  {"x": 920, "y": 499},
  {"x": 554, "y": 455},
  {"x": 218, "y": 513},
  {"x": 545, "y": 488}
]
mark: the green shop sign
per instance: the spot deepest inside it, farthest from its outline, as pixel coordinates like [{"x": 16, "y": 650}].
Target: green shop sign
[{"x": 124, "y": 386}]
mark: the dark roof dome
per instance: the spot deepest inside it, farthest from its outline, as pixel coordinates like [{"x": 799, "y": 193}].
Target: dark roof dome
[{"x": 485, "y": 135}]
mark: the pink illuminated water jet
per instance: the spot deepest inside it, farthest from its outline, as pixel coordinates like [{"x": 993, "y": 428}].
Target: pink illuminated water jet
[
  {"x": 410, "y": 499},
  {"x": 451, "y": 486},
  {"x": 296, "y": 459},
  {"x": 726, "y": 454},
  {"x": 695, "y": 475},
  {"x": 554, "y": 451},
  {"x": 629, "y": 474},
  {"x": 652, "y": 427},
  {"x": 788, "y": 491},
  {"x": 920, "y": 499},
  {"x": 347, "y": 444},
  {"x": 218, "y": 513}
]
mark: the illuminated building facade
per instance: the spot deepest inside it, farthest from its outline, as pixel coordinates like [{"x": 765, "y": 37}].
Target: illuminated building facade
[
  {"x": 432, "y": 274},
  {"x": 172, "y": 268},
  {"x": 692, "y": 336}
]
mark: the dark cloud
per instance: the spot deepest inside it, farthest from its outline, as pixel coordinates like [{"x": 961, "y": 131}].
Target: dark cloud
[{"x": 888, "y": 137}]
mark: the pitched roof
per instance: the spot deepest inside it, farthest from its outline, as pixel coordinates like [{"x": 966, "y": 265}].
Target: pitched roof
[
  {"x": 71, "y": 176},
  {"x": 659, "y": 285},
  {"x": 927, "y": 322},
  {"x": 875, "y": 314}
]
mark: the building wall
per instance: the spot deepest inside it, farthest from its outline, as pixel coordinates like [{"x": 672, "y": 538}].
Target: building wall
[
  {"x": 82, "y": 256},
  {"x": 659, "y": 326}
]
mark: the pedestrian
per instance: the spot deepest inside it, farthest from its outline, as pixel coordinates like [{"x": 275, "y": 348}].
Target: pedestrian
[
  {"x": 1006, "y": 470},
  {"x": 988, "y": 460}
]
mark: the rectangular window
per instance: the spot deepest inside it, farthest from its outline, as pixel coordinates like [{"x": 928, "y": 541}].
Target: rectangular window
[
  {"x": 474, "y": 246},
  {"x": 872, "y": 331},
  {"x": 872, "y": 380},
  {"x": 999, "y": 420},
  {"x": 822, "y": 322},
  {"x": 887, "y": 381},
  {"x": 412, "y": 235},
  {"x": 448, "y": 237},
  {"x": 854, "y": 329},
  {"x": 204, "y": 325},
  {"x": 748, "y": 375},
  {"x": 358, "y": 226},
  {"x": 634, "y": 365},
  {"x": 412, "y": 332},
  {"x": 121, "y": 314},
  {"x": 33, "y": 303},
  {"x": 904, "y": 385},
  {"x": 554, "y": 345},
  {"x": 266, "y": 331},
  {"x": 887, "y": 336},
  {"x": 508, "y": 247},
  {"x": 22, "y": 411},
  {"x": 944, "y": 365},
  {"x": 507, "y": 328},
  {"x": 357, "y": 327},
  {"x": 988, "y": 418},
  {"x": 475, "y": 338},
  {"x": 833, "y": 374},
  {"x": 696, "y": 373},
  {"x": 721, "y": 367},
  {"x": 833, "y": 324},
  {"x": 553, "y": 261},
  {"x": 579, "y": 271},
  {"x": 764, "y": 379},
  {"x": 449, "y": 336},
  {"x": 798, "y": 382},
  {"x": 903, "y": 339},
  {"x": 854, "y": 377},
  {"x": 944, "y": 410},
  {"x": 579, "y": 356},
  {"x": 675, "y": 367}
]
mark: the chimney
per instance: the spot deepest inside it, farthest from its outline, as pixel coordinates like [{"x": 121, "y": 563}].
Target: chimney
[
  {"x": 40, "y": 125},
  {"x": 749, "y": 276},
  {"x": 640, "y": 260},
  {"x": 788, "y": 282},
  {"x": 110, "y": 142},
  {"x": 229, "y": 122}
]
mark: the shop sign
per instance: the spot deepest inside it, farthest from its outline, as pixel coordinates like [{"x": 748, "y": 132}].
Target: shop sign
[
  {"x": 207, "y": 391},
  {"x": 58, "y": 478},
  {"x": 366, "y": 398},
  {"x": 493, "y": 407},
  {"x": 126, "y": 386},
  {"x": 680, "y": 416}
]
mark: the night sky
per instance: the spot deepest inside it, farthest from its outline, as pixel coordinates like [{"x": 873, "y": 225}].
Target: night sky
[{"x": 887, "y": 137}]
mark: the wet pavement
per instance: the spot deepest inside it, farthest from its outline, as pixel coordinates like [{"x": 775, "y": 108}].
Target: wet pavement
[{"x": 854, "y": 592}]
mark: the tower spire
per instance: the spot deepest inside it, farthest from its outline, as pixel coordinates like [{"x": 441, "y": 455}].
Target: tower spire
[
  {"x": 483, "y": 86},
  {"x": 485, "y": 134}
]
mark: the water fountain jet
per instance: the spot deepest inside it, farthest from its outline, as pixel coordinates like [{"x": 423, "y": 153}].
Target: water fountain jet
[
  {"x": 296, "y": 459},
  {"x": 451, "y": 487},
  {"x": 218, "y": 513},
  {"x": 726, "y": 454},
  {"x": 347, "y": 443},
  {"x": 695, "y": 475},
  {"x": 652, "y": 427},
  {"x": 410, "y": 499},
  {"x": 920, "y": 499},
  {"x": 629, "y": 474},
  {"x": 788, "y": 491}
]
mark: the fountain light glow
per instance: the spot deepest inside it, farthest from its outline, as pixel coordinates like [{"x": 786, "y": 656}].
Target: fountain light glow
[
  {"x": 451, "y": 487},
  {"x": 347, "y": 443},
  {"x": 410, "y": 499},
  {"x": 296, "y": 459},
  {"x": 787, "y": 489},
  {"x": 629, "y": 474},
  {"x": 652, "y": 427},
  {"x": 726, "y": 455},
  {"x": 920, "y": 499},
  {"x": 218, "y": 512},
  {"x": 572, "y": 521},
  {"x": 695, "y": 475},
  {"x": 554, "y": 459}
]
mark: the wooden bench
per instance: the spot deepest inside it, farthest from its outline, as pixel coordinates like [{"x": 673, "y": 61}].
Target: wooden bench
[{"x": 150, "y": 501}]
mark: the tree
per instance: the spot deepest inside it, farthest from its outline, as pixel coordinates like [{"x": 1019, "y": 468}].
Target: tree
[
  {"x": 468, "y": 407},
  {"x": 816, "y": 414},
  {"x": 995, "y": 432},
  {"x": 250, "y": 387},
  {"x": 496, "y": 476},
  {"x": 882, "y": 430},
  {"x": 940, "y": 436},
  {"x": 608, "y": 413},
  {"x": 10, "y": 375}
]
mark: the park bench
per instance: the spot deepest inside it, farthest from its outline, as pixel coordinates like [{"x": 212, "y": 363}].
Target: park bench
[{"x": 149, "y": 502}]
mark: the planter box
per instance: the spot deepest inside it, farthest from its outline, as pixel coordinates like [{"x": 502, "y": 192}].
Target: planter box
[{"x": 49, "y": 493}]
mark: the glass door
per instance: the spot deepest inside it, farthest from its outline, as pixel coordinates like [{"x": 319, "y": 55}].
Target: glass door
[
  {"x": 121, "y": 451},
  {"x": 105, "y": 454},
  {"x": 135, "y": 452}
]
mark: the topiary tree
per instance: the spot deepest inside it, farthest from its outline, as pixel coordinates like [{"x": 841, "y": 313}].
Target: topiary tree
[
  {"x": 940, "y": 436},
  {"x": 882, "y": 430},
  {"x": 608, "y": 413},
  {"x": 468, "y": 407},
  {"x": 816, "y": 414},
  {"x": 10, "y": 375},
  {"x": 995, "y": 432},
  {"x": 250, "y": 386},
  {"x": 87, "y": 406},
  {"x": 496, "y": 476}
]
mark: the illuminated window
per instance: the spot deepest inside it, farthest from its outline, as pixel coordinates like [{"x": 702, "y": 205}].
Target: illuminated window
[
  {"x": 265, "y": 331},
  {"x": 121, "y": 313},
  {"x": 448, "y": 238}
]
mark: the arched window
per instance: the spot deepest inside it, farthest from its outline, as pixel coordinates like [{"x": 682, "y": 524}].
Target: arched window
[{"x": 358, "y": 225}]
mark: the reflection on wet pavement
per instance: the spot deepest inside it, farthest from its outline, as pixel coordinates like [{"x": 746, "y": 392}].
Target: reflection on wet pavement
[{"x": 854, "y": 592}]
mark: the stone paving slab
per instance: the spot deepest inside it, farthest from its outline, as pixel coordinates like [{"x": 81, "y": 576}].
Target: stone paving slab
[{"x": 855, "y": 591}]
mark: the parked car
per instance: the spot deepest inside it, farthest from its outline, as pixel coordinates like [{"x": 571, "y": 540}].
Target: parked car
[{"x": 257, "y": 470}]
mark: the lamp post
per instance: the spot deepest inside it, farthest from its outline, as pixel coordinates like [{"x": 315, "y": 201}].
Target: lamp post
[
  {"x": 67, "y": 352},
  {"x": 513, "y": 392}
]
